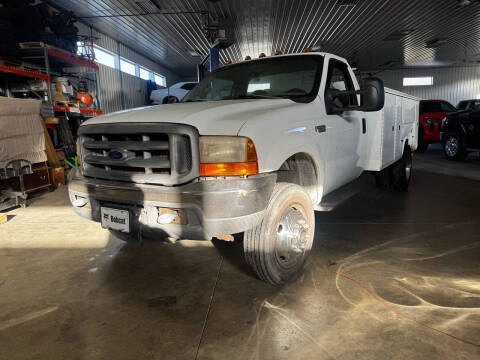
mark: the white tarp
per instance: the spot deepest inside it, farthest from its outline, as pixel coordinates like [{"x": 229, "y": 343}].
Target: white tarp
[{"x": 21, "y": 131}]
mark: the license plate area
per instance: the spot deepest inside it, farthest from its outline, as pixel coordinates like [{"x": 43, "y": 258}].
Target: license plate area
[{"x": 115, "y": 219}]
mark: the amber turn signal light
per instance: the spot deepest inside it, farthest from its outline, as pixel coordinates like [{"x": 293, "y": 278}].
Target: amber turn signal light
[
  {"x": 228, "y": 169},
  {"x": 246, "y": 164}
]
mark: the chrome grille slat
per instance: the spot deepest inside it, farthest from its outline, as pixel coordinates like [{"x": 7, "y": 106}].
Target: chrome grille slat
[
  {"x": 161, "y": 153},
  {"x": 149, "y": 163},
  {"x": 148, "y": 155},
  {"x": 131, "y": 145}
]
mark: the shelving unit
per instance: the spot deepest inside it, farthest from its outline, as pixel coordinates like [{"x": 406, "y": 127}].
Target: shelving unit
[
  {"x": 22, "y": 72},
  {"x": 91, "y": 112},
  {"x": 52, "y": 59},
  {"x": 44, "y": 63}
]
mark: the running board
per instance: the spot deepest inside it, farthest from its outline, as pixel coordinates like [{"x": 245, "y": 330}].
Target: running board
[{"x": 339, "y": 196}]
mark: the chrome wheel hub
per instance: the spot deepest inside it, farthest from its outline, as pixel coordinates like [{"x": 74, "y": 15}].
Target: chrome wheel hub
[
  {"x": 451, "y": 146},
  {"x": 291, "y": 237}
]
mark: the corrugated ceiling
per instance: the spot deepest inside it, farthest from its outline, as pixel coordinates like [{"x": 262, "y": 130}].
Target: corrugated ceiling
[{"x": 356, "y": 31}]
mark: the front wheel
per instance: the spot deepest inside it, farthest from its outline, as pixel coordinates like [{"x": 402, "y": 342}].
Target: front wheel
[
  {"x": 277, "y": 248},
  {"x": 453, "y": 147}
]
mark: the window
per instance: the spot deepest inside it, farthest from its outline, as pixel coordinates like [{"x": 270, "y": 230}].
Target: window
[
  {"x": 188, "y": 86},
  {"x": 104, "y": 57},
  {"x": 252, "y": 87},
  {"x": 418, "y": 81},
  {"x": 436, "y": 107},
  {"x": 462, "y": 105},
  {"x": 284, "y": 80},
  {"x": 128, "y": 67},
  {"x": 447, "y": 107},
  {"x": 144, "y": 74},
  {"x": 80, "y": 48},
  {"x": 159, "y": 80},
  {"x": 289, "y": 77},
  {"x": 214, "y": 89},
  {"x": 339, "y": 79}
]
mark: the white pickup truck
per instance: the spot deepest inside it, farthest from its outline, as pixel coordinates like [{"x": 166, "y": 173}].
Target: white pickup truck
[{"x": 254, "y": 148}]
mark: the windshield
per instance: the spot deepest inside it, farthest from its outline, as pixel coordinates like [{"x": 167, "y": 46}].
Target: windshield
[
  {"x": 436, "y": 106},
  {"x": 290, "y": 77}
]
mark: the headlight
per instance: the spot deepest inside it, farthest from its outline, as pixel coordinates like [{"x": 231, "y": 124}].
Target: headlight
[
  {"x": 227, "y": 156},
  {"x": 444, "y": 122}
]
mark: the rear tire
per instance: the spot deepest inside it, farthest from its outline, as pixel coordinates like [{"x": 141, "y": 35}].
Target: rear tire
[
  {"x": 402, "y": 171},
  {"x": 170, "y": 100},
  {"x": 277, "y": 248},
  {"x": 422, "y": 144},
  {"x": 453, "y": 147}
]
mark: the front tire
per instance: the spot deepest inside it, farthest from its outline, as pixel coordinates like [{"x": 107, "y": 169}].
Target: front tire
[
  {"x": 277, "y": 248},
  {"x": 453, "y": 147}
]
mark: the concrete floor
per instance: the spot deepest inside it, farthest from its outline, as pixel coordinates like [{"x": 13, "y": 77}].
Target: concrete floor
[{"x": 70, "y": 291}]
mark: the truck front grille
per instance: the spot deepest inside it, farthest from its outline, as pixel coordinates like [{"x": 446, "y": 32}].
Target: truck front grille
[{"x": 150, "y": 153}]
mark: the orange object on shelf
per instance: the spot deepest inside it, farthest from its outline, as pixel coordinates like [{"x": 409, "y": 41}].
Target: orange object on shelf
[{"x": 84, "y": 98}]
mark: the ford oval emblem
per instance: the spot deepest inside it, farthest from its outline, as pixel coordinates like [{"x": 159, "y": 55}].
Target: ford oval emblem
[{"x": 115, "y": 155}]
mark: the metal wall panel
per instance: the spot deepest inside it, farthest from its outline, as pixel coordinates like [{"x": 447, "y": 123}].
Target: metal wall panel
[
  {"x": 134, "y": 91},
  {"x": 451, "y": 84},
  {"x": 110, "y": 90}
]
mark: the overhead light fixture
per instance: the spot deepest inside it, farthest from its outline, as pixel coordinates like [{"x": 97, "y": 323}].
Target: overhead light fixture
[
  {"x": 435, "y": 43},
  {"x": 347, "y": 2},
  {"x": 463, "y": 3},
  {"x": 398, "y": 35}
]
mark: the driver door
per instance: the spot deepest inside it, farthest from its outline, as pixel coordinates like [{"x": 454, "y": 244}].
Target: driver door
[{"x": 346, "y": 127}]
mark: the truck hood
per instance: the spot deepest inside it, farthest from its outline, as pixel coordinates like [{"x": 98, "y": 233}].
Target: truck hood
[{"x": 224, "y": 117}]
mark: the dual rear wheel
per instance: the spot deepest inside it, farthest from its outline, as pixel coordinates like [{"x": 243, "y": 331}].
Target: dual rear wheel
[{"x": 397, "y": 176}]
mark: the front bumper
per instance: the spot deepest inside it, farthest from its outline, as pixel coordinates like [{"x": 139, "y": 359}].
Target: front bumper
[
  {"x": 432, "y": 133},
  {"x": 212, "y": 207}
]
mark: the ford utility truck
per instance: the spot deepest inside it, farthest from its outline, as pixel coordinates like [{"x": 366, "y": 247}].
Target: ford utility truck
[{"x": 253, "y": 149}]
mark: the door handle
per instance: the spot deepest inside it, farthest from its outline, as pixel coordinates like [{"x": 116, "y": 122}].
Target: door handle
[{"x": 320, "y": 128}]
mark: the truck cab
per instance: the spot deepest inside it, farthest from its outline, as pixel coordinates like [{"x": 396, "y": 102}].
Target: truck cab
[
  {"x": 460, "y": 131},
  {"x": 432, "y": 112},
  {"x": 253, "y": 149}
]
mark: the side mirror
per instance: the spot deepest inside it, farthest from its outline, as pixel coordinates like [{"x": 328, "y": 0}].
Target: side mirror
[
  {"x": 372, "y": 97},
  {"x": 372, "y": 94}
]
